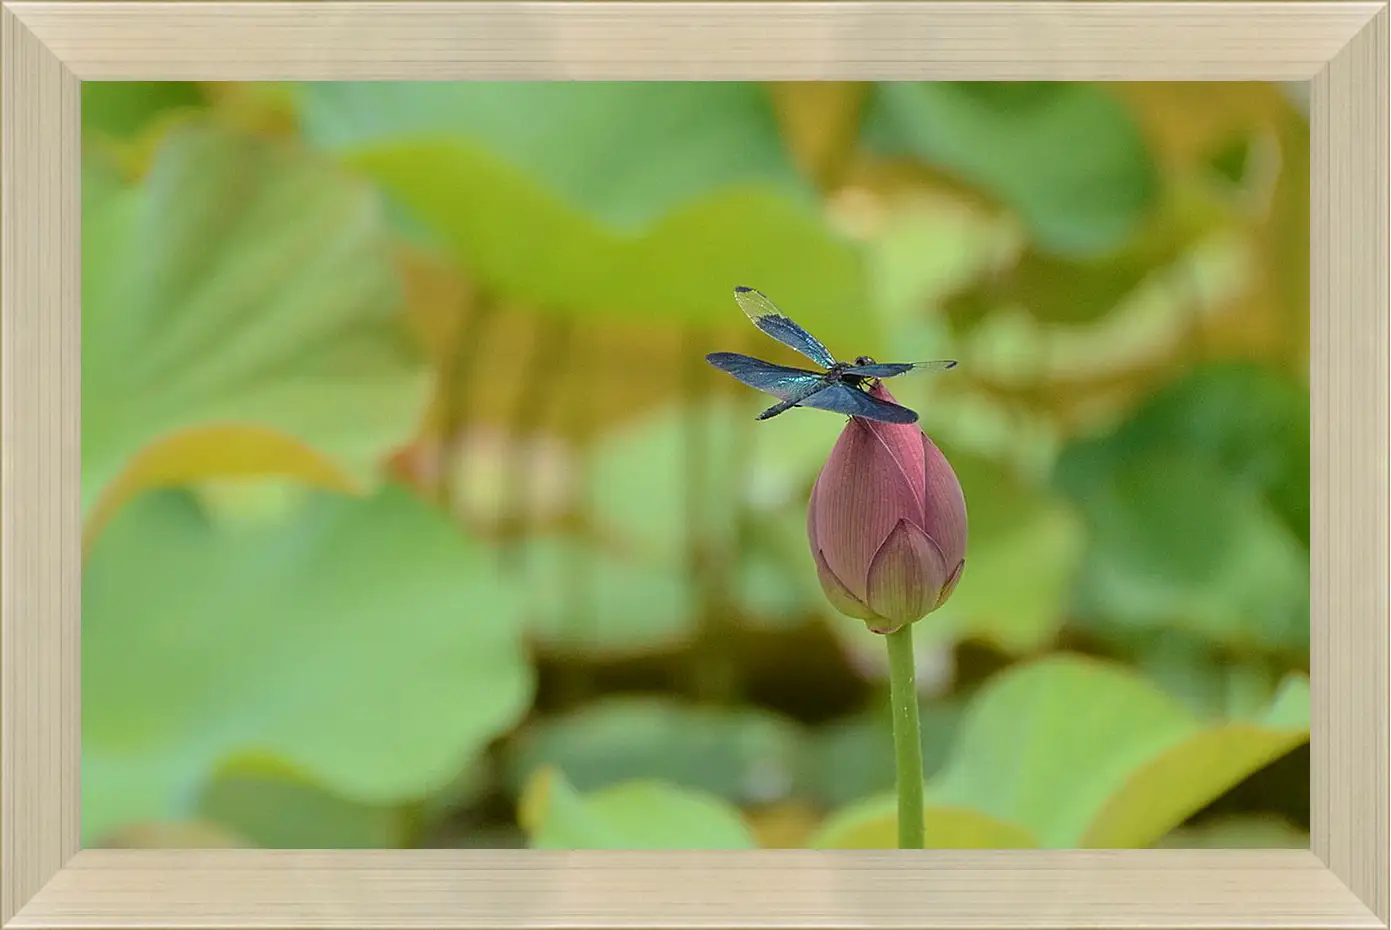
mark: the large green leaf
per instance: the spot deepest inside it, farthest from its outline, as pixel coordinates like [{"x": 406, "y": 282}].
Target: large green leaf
[
  {"x": 239, "y": 317},
  {"x": 365, "y": 643},
  {"x": 1083, "y": 753},
  {"x": 746, "y": 756},
  {"x": 643, "y": 199},
  {"x": 641, "y": 814},
  {"x": 1065, "y": 157}
]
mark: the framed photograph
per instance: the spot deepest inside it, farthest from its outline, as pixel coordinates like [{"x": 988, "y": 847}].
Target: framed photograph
[{"x": 321, "y": 318}]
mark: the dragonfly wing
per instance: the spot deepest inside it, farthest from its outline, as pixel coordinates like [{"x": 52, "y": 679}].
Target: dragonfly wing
[
  {"x": 779, "y": 380},
  {"x": 842, "y": 398},
  {"x": 768, "y": 318},
  {"x": 890, "y": 369}
]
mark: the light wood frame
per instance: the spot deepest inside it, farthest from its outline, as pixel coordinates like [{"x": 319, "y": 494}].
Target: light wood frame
[{"x": 48, "y": 48}]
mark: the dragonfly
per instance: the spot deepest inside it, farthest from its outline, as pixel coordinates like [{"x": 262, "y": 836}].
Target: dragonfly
[{"x": 842, "y": 387}]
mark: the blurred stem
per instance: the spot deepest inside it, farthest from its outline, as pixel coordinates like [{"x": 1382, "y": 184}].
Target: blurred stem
[
  {"x": 908, "y": 759},
  {"x": 455, "y": 368},
  {"x": 543, "y": 368},
  {"x": 715, "y": 677},
  {"x": 1190, "y": 294},
  {"x": 574, "y": 682}
]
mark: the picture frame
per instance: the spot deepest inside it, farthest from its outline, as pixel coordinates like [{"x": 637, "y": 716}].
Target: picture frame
[{"x": 48, "y": 49}]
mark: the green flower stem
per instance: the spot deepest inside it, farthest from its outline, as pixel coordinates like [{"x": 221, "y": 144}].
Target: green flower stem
[{"x": 903, "y": 698}]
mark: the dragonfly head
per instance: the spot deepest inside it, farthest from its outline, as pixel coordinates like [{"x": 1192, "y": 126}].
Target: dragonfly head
[{"x": 864, "y": 360}]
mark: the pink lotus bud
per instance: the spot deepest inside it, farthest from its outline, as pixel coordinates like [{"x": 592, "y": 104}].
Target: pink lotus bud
[{"x": 887, "y": 524}]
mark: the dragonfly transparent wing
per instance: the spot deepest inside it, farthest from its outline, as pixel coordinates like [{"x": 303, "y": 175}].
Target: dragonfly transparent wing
[
  {"x": 891, "y": 369},
  {"x": 841, "y": 398},
  {"x": 779, "y": 380},
  {"x": 768, "y": 318}
]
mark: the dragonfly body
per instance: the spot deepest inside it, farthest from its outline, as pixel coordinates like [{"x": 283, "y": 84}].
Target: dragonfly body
[{"x": 840, "y": 386}]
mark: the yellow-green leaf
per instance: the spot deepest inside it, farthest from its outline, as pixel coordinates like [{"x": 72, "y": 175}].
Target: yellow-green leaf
[
  {"x": 606, "y": 198},
  {"x": 873, "y": 824},
  {"x": 1083, "y": 752}
]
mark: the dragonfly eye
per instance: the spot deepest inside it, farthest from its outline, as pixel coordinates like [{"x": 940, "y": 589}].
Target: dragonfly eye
[{"x": 864, "y": 360}]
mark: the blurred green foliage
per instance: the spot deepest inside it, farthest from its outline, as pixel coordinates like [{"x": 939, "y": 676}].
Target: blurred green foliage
[
  {"x": 1067, "y": 158},
  {"x": 414, "y": 517}
]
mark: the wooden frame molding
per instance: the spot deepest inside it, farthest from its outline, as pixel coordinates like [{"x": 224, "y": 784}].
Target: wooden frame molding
[{"x": 47, "y": 49}]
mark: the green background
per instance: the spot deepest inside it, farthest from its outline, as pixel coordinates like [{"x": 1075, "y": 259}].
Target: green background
[{"x": 413, "y": 515}]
